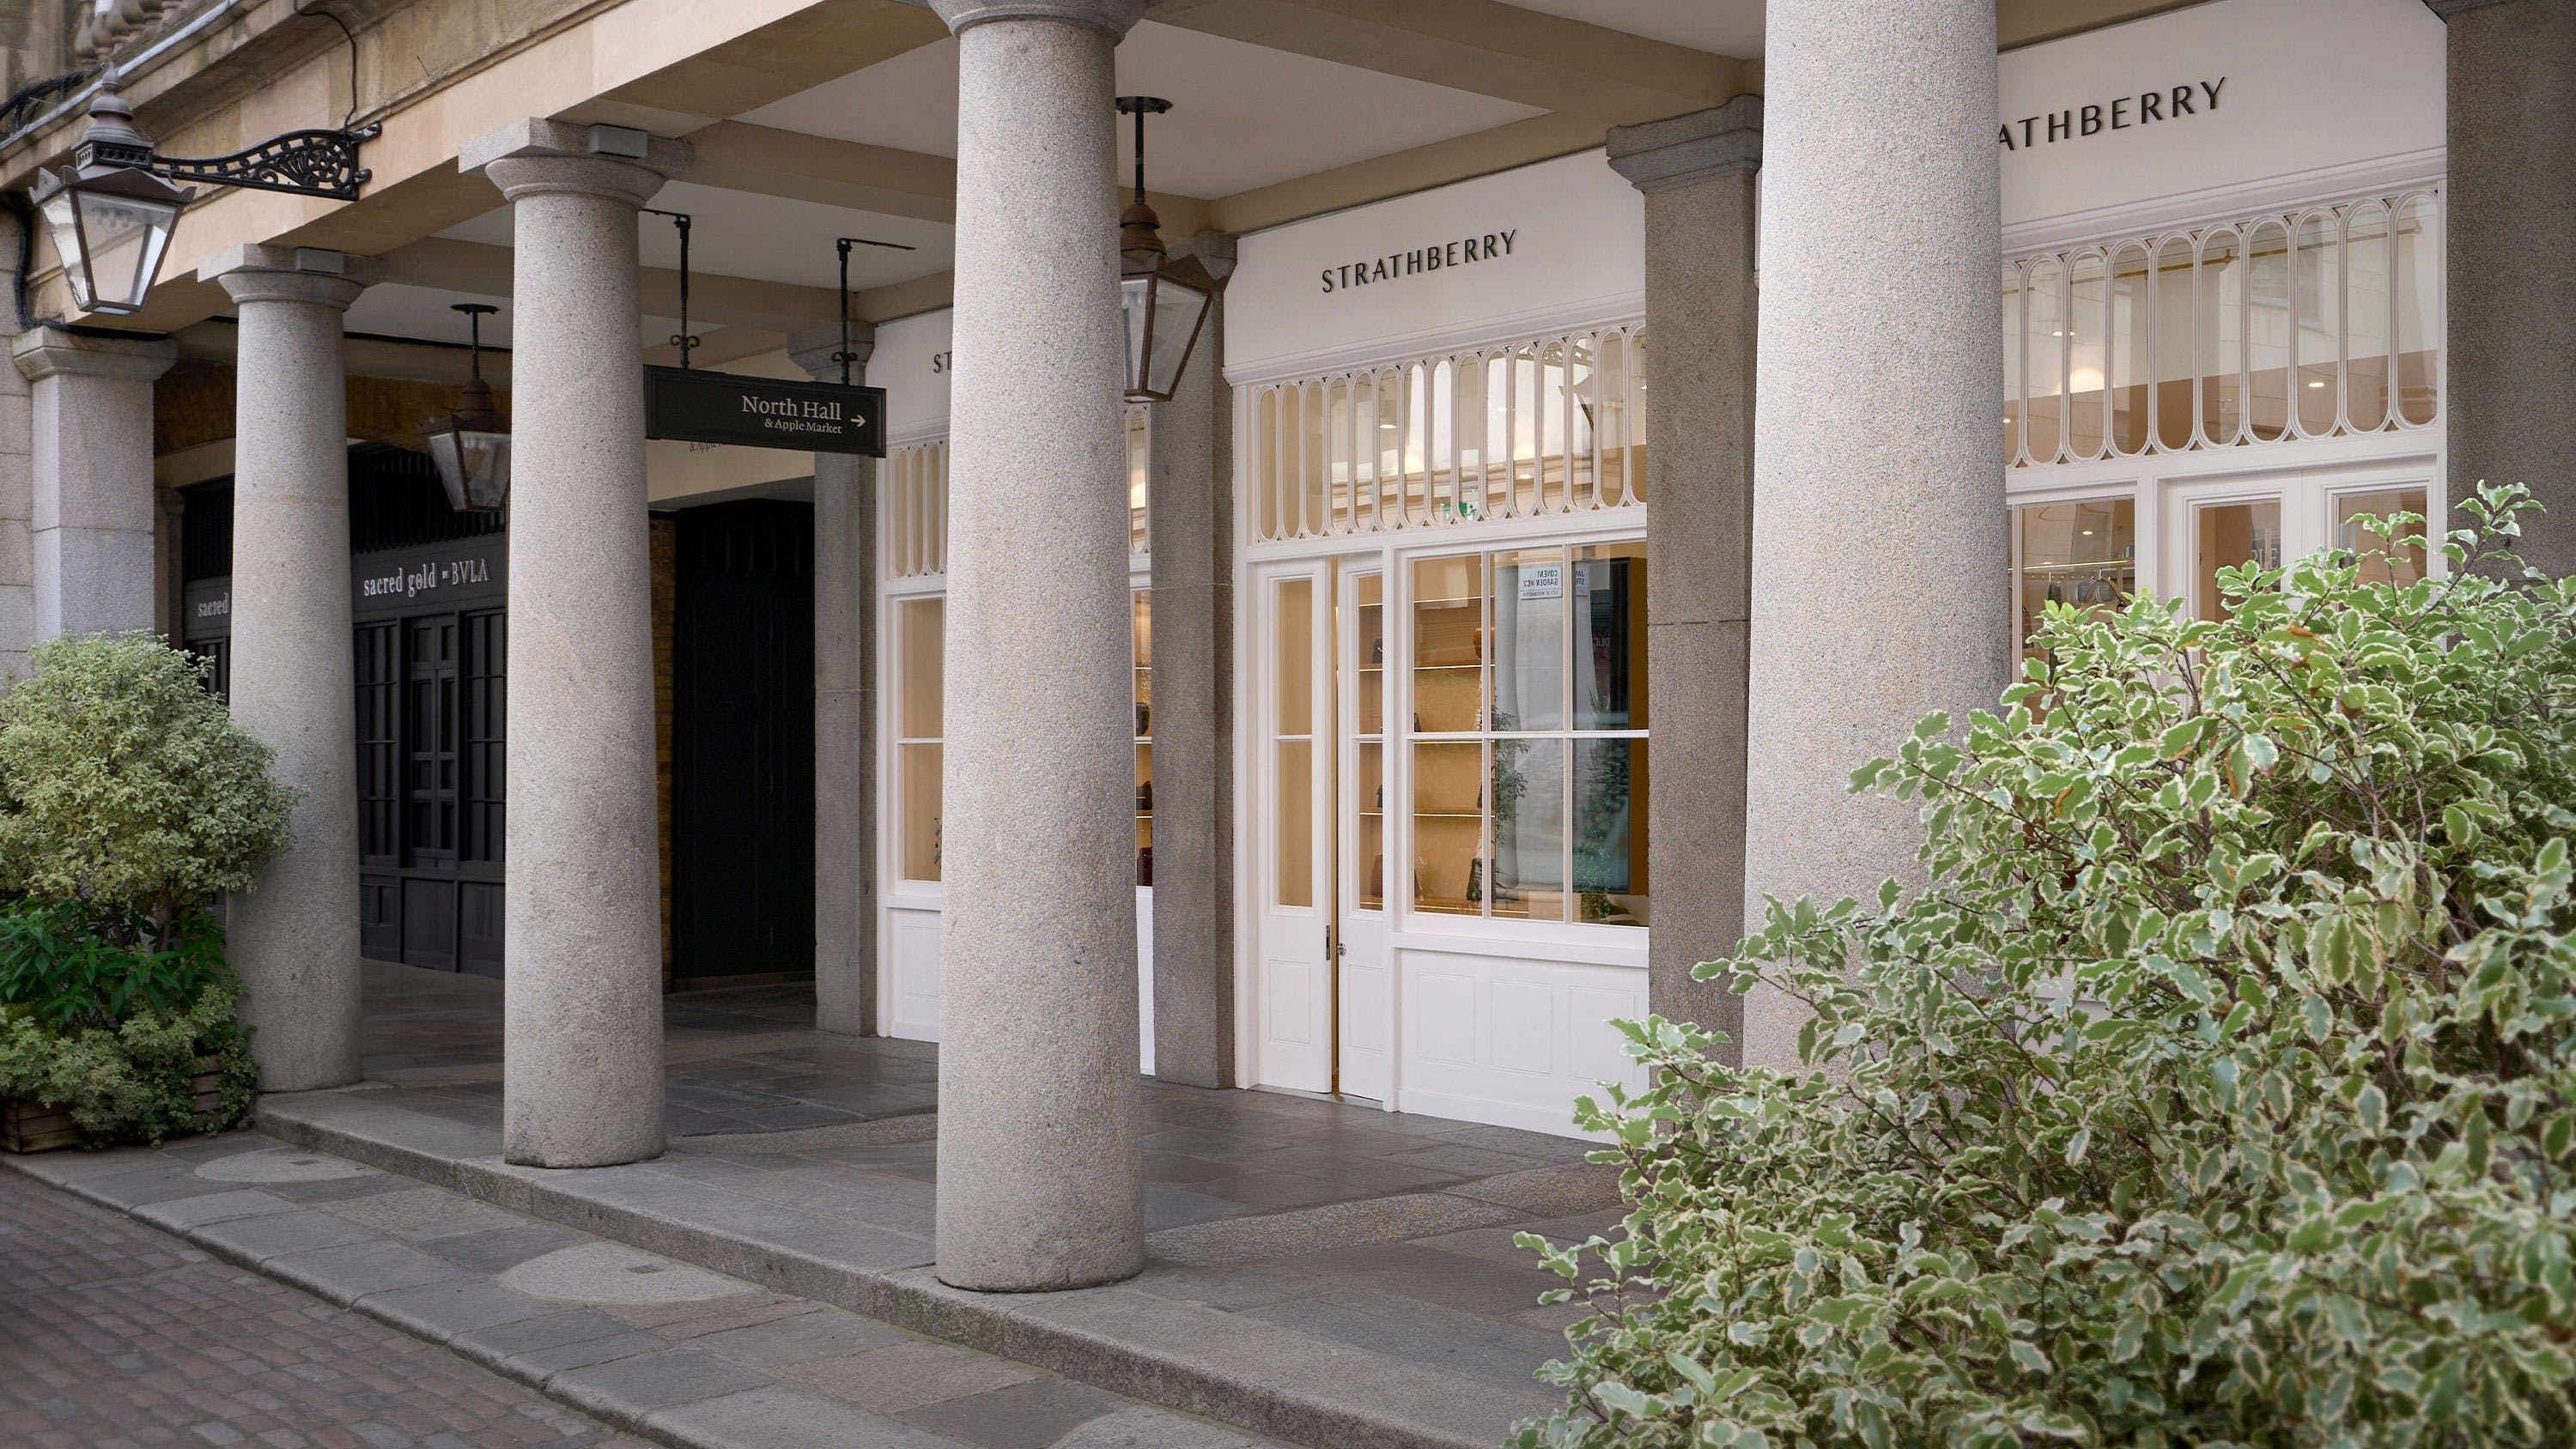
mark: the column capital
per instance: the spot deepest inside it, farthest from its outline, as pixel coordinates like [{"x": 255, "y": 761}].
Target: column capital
[
  {"x": 536, "y": 156},
  {"x": 255, "y": 273},
  {"x": 1680, "y": 150},
  {"x": 45, "y": 352},
  {"x": 1116, "y": 17},
  {"x": 813, "y": 350}
]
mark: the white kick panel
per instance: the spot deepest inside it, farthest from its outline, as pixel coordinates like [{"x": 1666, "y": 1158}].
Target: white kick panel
[{"x": 1512, "y": 1042}]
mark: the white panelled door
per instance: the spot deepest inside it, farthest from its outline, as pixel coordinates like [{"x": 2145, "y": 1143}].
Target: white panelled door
[{"x": 1293, "y": 737}]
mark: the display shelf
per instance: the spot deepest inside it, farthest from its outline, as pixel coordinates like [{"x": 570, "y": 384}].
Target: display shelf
[
  {"x": 1450, "y": 905},
  {"x": 1447, "y": 814}
]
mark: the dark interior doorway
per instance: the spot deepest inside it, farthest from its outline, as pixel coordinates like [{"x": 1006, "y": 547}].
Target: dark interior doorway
[{"x": 742, "y": 739}]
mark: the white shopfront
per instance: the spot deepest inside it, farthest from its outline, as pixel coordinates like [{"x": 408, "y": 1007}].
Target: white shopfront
[
  {"x": 911, "y": 362},
  {"x": 1441, "y": 734},
  {"x": 2223, "y": 304},
  {"x": 2222, "y": 311}
]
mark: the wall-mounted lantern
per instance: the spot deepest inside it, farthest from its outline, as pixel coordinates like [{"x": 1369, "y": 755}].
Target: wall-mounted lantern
[
  {"x": 111, "y": 211},
  {"x": 1162, "y": 314}
]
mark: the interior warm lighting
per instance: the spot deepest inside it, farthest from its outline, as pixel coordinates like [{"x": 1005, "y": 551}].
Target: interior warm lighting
[{"x": 2087, "y": 379}]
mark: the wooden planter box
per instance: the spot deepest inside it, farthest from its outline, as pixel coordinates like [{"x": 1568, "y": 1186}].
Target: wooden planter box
[{"x": 40, "y": 1126}]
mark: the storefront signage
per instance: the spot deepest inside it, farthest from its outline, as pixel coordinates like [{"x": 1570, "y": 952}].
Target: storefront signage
[
  {"x": 1463, "y": 251},
  {"x": 2120, "y": 113},
  {"x": 218, "y": 607},
  {"x": 758, "y": 412},
  {"x": 1542, "y": 581},
  {"x": 414, "y": 580}
]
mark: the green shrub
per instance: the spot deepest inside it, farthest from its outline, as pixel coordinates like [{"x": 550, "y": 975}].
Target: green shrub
[
  {"x": 74, "y": 967},
  {"x": 134, "y": 1082},
  {"x": 126, "y": 787},
  {"x": 2218, "y": 1088}
]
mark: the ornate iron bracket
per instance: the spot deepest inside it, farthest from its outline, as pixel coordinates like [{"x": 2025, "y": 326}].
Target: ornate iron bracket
[{"x": 302, "y": 163}]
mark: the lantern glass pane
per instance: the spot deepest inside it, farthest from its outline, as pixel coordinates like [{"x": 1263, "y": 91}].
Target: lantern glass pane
[
  {"x": 63, "y": 226},
  {"x": 124, "y": 237},
  {"x": 473, "y": 466},
  {"x": 1161, "y": 318}
]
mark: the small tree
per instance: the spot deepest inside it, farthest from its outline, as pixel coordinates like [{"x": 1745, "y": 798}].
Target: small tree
[
  {"x": 2218, "y": 1089},
  {"x": 126, "y": 788}
]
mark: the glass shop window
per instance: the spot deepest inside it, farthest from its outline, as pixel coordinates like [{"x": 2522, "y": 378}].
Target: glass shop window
[
  {"x": 920, "y": 628},
  {"x": 2360, "y": 529},
  {"x": 2083, "y": 554},
  {"x": 1528, "y": 734}
]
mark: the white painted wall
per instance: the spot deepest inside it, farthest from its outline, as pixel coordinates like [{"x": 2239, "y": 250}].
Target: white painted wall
[
  {"x": 2317, "y": 98},
  {"x": 1577, "y": 257}
]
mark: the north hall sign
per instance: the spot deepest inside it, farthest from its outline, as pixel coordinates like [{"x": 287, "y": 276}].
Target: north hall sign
[
  {"x": 2120, "y": 113},
  {"x": 696, "y": 406}
]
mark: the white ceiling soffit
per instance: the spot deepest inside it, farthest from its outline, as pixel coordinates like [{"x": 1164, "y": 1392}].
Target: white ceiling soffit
[
  {"x": 768, "y": 238},
  {"x": 1721, "y": 27},
  {"x": 1244, "y": 116}
]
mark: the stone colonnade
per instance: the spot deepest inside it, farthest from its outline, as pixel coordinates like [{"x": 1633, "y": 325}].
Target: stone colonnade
[{"x": 1858, "y": 464}]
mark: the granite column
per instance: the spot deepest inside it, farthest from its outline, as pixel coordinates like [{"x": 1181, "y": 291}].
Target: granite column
[
  {"x": 1697, "y": 175},
  {"x": 1878, "y": 581},
  {"x": 1040, "y": 1165},
  {"x": 92, "y": 513},
  {"x": 1190, "y": 502},
  {"x": 582, "y": 999},
  {"x": 2511, "y": 283},
  {"x": 845, "y": 701},
  {"x": 294, "y": 935}
]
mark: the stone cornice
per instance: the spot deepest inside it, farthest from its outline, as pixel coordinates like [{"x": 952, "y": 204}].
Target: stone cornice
[{"x": 59, "y": 352}]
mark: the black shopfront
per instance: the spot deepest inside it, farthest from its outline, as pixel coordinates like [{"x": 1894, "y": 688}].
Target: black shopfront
[{"x": 429, "y": 590}]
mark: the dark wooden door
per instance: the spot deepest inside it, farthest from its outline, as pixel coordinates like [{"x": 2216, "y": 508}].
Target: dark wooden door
[{"x": 742, "y": 819}]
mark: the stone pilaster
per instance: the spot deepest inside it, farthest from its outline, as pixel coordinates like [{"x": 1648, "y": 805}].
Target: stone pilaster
[
  {"x": 1040, "y": 1166},
  {"x": 17, "y": 474},
  {"x": 2511, "y": 288},
  {"x": 1878, "y": 501},
  {"x": 90, "y": 510},
  {"x": 845, "y": 703},
  {"x": 294, "y": 935},
  {"x": 582, "y": 1001},
  {"x": 1697, "y": 175},
  {"x": 1190, "y": 502}
]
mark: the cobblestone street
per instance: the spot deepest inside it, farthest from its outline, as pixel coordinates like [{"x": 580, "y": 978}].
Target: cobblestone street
[{"x": 114, "y": 1334}]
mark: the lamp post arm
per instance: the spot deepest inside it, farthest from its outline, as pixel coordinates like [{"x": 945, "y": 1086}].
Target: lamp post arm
[{"x": 320, "y": 163}]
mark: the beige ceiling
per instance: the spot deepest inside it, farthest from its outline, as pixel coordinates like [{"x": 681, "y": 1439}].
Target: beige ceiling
[
  {"x": 1244, "y": 116},
  {"x": 1725, "y": 27}
]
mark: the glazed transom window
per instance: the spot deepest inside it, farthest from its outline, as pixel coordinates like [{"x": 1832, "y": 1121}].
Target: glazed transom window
[
  {"x": 2311, "y": 324},
  {"x": 1550, "y": 425}
]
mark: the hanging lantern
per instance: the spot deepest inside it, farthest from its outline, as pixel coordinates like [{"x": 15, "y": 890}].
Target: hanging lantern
[
  {"x": 471, "y": 446},
  {"x": 110, "y": 219},
  {"x": 1162, "y": 314}
]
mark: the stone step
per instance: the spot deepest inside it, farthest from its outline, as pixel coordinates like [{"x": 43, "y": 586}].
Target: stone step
[
  {"x": 643, "y": 1342},
  {"x": 1165, "y": 1339}
]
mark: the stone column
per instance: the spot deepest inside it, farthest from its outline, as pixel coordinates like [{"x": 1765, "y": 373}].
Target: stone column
[
  {"x": 1878, "y": 499},
  {"x": 582, "y": 1000},
  {"x": 1040, "y": 1171},
  {"x": 91, "y": 515},
  {"x": 845, "y": 703},
  {"x": 1697, "y": 174},
  {"x": 2512, "y": 329},
  {"x": 17, "y": 473},
  {"x": 294, "y": 935},
  {"x": 1190, "y": 506}
]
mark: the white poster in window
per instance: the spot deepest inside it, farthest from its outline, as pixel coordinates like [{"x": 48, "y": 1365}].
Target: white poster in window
[{"x": 1542, "y": 581}]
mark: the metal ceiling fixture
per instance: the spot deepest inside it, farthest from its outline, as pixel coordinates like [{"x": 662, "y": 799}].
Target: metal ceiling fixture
[
  {"x": 471, "y": 445},
  {"x": 111, "y": 211},
  {"x": 1162, "y": 314}
]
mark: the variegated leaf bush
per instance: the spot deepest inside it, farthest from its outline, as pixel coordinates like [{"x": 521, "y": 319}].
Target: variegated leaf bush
[{"x": 2213, "y": 1084}]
